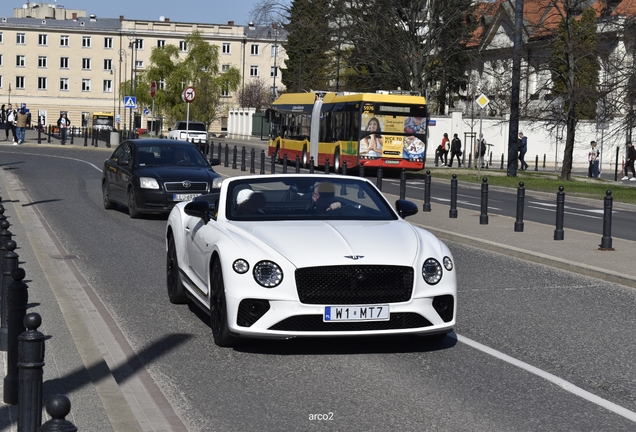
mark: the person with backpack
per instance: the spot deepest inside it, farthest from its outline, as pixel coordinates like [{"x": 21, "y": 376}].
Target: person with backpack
[
  {"x": 445, "y": 148},
  {"x": 456, "y": 150}
]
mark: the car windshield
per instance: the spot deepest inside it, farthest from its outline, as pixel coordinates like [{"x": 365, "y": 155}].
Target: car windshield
[
  {"x": 169, "y": 155},
  {"x": 305, "y": 198},
  {"x": 192, "y": 126}
]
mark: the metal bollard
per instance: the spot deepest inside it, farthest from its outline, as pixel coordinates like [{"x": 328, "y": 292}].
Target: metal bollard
[
  {"x": 297, "y": 164},
  {"x": 50, "y": 131},
  {"x": 403, "y": 184},
  {"x": 234, "y": 157},
  {"x": 378, "y": 179},
  {"x": 86, "y": 137},
  {"x": 31, "y": 362},
  {"x": 521, "y": 197},
  {"x": 273, "y": 164},
  {"x": 243, "y": 155},
  {"x": 327, "y": 166},
  {"x": 543, "y": 161},
  {"x": 536, "y": 163},
  {"x": 560, "y": 211},
  {"x": 73, "y": 134},
  {"x": 285, "y": 163},
  {"x": 361, "y": 171},
  {"x": 17, "y": 299},
  {"x": 606, "y": 240},
  {"x": 483, "y": 217},
  {"x": 427, "y": 192},
  {"x": 220, "y": 151},
  {"x": 9, "y": 262},
  {"x": 490, "y": 163},
  {"x": 58, "y": 407},
  {"x": 39, "y": 135},
  {"x": 252, "y": 161},
  {"x": 227, "y": 155},
  {"x": 311, "y": 165},
  {"x": 502, "y": 161},
  {"x": 344, "y": 168},
  {"x": 452, "y": 213},
  {"x": 262, "y": 162}
]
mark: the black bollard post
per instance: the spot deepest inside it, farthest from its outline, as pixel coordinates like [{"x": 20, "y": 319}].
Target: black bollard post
[
  {"x": 252, "y": 161},
  {"x": 273, "y": 165},
  {"x": 378, "y": 179},
  {"x": 262, "y": 162},
  {"x": 536, "y": 163},
  {"x": 521, "y": 197},
  {"x": 427, "y": 192},
  {"x": 560, "y": 211},
  {"x": 220, "y": 150},
  {"x": 361, "y": 171},
  {"x": 31, "y": 362},
  {"x": 243, "y": 155},
  {"x": 502, "y": 161},
  {"x": 616, "y": 166},
  {"x": 72, "y": 130},
  {"x": 285, "y": 163},
  {"x": 543, "y": 161},
  {"x": 344, "y": 168},
  {"x": 403, "y": 184},
  {"x": 39, "y": 135},
  {"x": 227, "y": 155},
  {"x": 483, "y": 217},
  {"x": 234, "y": 157},
  {"x": 58, "y": 407},
  {"x": 9, "y": 262},
  {"x": 86, "y": 137},
  {"x": 490, "y": 163},
  {"x": 452, "y": 213},
  {"x": 49, "y": 137},
  {"x": 606, "y": 240},
  {"x": 327, "y": 166},
  {"x": 17, "y": 299},
  {"x": 311, "y": 165},
  {"x": 297, "y": 164}
]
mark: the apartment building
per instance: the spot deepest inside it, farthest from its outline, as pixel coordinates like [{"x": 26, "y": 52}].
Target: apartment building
[{"x": 58, "y": 60}]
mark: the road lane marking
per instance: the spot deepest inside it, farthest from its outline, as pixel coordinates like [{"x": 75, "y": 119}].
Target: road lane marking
[{"x": 58, "y": 157}]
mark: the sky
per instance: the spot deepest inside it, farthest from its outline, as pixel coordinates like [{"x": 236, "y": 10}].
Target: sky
[{"x": 198, "y": 11}]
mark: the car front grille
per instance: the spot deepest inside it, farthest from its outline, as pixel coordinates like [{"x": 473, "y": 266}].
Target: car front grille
[
  {"x": 314, "y": 323},
  {"x": 186, "y": 187},
  {"x": 356, "y": 284}
]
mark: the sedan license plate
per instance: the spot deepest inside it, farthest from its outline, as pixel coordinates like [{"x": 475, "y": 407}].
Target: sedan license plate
[
  {"x": 184, "y": 197},
  {"x": 356, "y": 313}
]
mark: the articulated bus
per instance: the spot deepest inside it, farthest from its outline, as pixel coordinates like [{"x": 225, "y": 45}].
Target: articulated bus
[{"x": 362, "y": 129}]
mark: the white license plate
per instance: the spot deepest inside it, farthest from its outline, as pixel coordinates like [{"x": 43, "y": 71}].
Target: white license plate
[
  {"x": 356, "y": 313},
  {"x": 184, "y": 197},
  {"x": 392, "y": 162}
]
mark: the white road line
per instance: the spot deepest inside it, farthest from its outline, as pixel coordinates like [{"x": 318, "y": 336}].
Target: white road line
[
  {"x": 565, "y": 385},
  {"x": 58, "y": 157},
  {"x": 444, "y": 200},
  {"x": 565, "y": 212}
]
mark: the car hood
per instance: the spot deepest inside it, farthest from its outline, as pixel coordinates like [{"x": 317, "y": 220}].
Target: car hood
[
  {"x": 313, "y": 243},
  {"x": 177, "y": 173}
]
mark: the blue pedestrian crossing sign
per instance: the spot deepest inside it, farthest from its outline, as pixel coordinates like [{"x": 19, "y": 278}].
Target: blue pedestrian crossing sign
[{"x": 130, "y": 102}]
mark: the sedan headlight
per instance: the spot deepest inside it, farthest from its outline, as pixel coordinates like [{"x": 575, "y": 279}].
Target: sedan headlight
[
  {"x": 148, "y": 183},
  {"x": 216, "y": 183},
  {"x": 268, "y": 274},
  {"x": 432, "y": 271}
]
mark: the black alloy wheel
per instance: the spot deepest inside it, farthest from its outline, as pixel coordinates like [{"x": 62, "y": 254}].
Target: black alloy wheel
[
  {"x": 132, "y": 204},
  {"x": 108, "y": 204},
  {"x": 218, "y": 308},
  {"x": 176, "y": 293}
]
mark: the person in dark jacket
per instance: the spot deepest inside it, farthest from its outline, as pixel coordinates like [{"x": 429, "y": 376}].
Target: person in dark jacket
[
  {"x": 63, "y": 124},
  {"x": 456, "y": 150},
  {"x": 523, "y": 148},
  {"x": 629, "y": 165}
]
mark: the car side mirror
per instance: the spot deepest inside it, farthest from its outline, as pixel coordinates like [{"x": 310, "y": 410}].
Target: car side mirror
[
  {"x": 169, "y": 129},
  {"x": 124, "y": 162},
  {"x": 405, "y": 208},
  {"x": 200, "y": 209}
]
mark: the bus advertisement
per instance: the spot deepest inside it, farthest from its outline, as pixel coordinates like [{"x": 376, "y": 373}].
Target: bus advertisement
[
  {"x": 100, "y": 120},
  {"x": 361, "y": 129}
]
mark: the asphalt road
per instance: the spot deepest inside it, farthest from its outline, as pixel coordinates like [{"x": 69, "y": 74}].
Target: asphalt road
[{"x": 577, "y": 328}]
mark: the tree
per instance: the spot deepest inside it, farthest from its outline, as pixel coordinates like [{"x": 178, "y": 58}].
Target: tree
[
  {"x": 255, "y": 94},
  {"x": 199, "y": 68}
]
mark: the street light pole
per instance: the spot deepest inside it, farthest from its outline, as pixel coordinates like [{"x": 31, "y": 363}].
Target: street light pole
[
  {"x": 113, "y": 72},
  {"x": 300, "y": 71},
  {"x": 9, "y": 93},
  {"x": 122, "y": 51},
  {"x": 131, "y": 45}
]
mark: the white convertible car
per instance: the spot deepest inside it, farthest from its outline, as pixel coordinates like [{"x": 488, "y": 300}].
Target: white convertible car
[{"x": 281, "y": 256}]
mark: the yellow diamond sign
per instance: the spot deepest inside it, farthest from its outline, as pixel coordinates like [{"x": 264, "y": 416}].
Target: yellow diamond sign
[{"x": 482, "y": 100}]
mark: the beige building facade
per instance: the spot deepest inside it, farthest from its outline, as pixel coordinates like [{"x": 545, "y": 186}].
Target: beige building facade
[{"x": 57, "y": 60}]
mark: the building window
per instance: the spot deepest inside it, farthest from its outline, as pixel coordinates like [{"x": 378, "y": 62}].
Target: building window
[
  {"x": 254, "y": 50},
  {"x": 108, "y": 86},
  {"x": 161, "y": 43},
  {"x": 86, "y": 63},
  {"x": 1, "y": 38},
  {"x": 20, "y": 38},
  {"x": 0, "y": 59},
  {"x": 63, "y": 62},
  {"x": 19, "y": 82},
  {"x": 65, "y": 40},
  {"x": 86, "y": 85},
  {"x": 108, "y": 42},
  {"x": 42, "y": 62},
  {"x": 225, "y": 67},
  {"x": 140, "y": 44},
  {"x": 183, "y": 46},
  {"x": 227, "y": 48},
  {"x": 161, "y": 84},
  {"x": 63, "y": 83},
  {"x": 108, "y": 64},
  {"x": 0, "y": 81},
  {"x": 86, "y": 41},
  {"x": 41, "y": 83},
  {"x": 273, "y": 71},
  {"x": 225, "y": 91},
  {"x": 253, "y": 71},
  {"x": 20, "y": 60},
  {"x": 274, "y": 51},
  {"x": 139, "y": 64},
  {"x": 43, "y": 39}
]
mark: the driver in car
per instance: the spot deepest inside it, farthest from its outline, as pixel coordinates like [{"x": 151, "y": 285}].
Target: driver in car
[{"x": 323, "y": 198}]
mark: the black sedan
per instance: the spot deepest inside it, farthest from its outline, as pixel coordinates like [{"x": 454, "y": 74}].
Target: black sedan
[{"x": 152, "y": 175}]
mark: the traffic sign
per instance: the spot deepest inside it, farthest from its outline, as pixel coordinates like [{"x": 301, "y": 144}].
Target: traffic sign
[
  {"x": 482, "y": 101},
  {"x": 146, "y": 111},
  {"x": 153, "y": 89},
  {"x": 189, "y": 94},
  {"x": 130, "y": 102}
]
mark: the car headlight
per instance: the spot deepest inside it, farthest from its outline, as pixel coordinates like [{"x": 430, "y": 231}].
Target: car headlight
[
  {"x": 432, "y": 271},
  {"x": 216, "y": 183},
  {"x": 448, "y": 263},
  {"x": 268, "y": 274},
  {"x": 148, "y": 183},
  {"x": 241, "y": 266}
]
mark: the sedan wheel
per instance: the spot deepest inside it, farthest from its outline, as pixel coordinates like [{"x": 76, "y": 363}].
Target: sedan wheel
[
  {"x": 218, "y": 308},
  {"x": 132, "y": 205},
  {"x": 176, "y": 293},
  {"x": 108, "y": 204}
]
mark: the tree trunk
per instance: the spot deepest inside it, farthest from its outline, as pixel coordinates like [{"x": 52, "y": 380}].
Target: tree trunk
[{"x": 566, "y": 170}]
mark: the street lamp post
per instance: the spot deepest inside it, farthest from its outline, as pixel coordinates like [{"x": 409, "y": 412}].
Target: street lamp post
[
  {"x": 300, "y": 71},
  {"x": 132, "y": 45},
  {"x": 122, "y": 51},
  {"x": 113, "y": 72},
  {"x": 9, "y": 93}
]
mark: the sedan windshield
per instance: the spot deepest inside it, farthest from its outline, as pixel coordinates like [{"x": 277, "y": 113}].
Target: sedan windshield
[
  {"x": 305, "y": 198},
  {"x": 176, "y": 155}
]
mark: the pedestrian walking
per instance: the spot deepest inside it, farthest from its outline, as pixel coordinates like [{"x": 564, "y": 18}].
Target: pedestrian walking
[
  {"x": 631, "y": 157},
  {"x": 480, "y": 151},
  {"x": 10, "y": 122},
  {"x": 592, "y": 158},
  {"x": 523, "y": 148},
  {"x": 456, "y": 150},
  {"x": 2, "y": 117},
  {"x": 63, "y": 123},
  {"x": 22, "y": 119},
  {"x": 445, "y": 148}
]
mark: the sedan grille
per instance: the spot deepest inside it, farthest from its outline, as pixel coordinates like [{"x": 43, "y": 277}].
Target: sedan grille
[
  {"x": 186, "y": 187},
  {"x": 358, "y": 284},
  {"x": 314, "y": 323}
]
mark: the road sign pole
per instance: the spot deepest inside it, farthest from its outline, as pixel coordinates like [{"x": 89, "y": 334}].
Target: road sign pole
[
  {"x": 187, "y": 119},
  {"x": 152, "y": 122}
]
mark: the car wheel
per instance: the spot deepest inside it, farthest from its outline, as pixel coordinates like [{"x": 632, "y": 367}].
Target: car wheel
[
  {"x": 218, "y": 308},
  {"x": 336, "y": 162},
  {"x": 304, "y": 158},
  {"x": 176, "y": 293},
  {"x": 132, "y": 204},
  {"x": 108, "y": 204}
]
